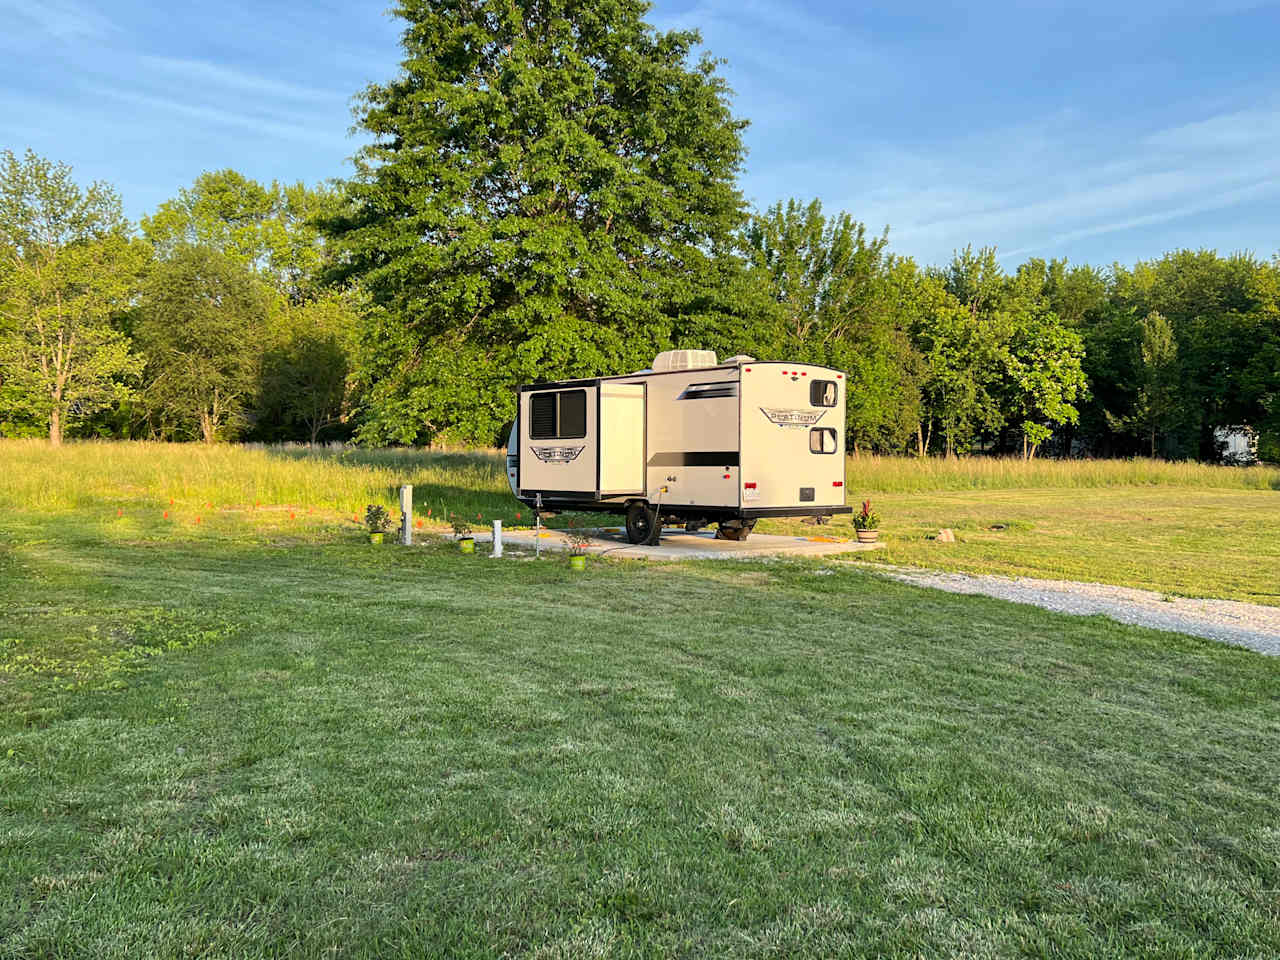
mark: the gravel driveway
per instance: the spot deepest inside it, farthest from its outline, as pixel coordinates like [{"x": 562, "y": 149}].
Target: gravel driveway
[{"x": 1245, "y": 624}]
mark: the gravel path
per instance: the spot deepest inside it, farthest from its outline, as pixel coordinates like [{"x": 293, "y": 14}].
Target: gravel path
[{"x": 1245, "y": 624}]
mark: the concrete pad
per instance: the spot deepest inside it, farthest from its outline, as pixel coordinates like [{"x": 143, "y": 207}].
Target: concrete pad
[{"x": 678, "y": 544}]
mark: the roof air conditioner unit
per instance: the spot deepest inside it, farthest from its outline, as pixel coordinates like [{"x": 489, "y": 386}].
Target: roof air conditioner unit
[{"x": 684, "y": 360}]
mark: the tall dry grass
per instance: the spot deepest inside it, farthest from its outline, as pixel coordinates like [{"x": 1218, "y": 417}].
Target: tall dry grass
[
  {"x": 913, "y": 475},
  {"x": 89, "y": 474}
]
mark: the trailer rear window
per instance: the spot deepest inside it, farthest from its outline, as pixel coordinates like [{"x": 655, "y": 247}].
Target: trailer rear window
[
  {"x": 823, "y": 440},
  {"x": 558, "y": 415},
  {"x": 823, "y": 393}
]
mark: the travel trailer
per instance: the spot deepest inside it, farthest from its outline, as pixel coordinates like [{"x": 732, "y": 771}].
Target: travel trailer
[{"x": 693, "y": 440}]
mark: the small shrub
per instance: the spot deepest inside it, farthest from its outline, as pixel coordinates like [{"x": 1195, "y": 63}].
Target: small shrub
[
  {"x": 578, "y": 540},
  {"x": 376, "y": 518}
]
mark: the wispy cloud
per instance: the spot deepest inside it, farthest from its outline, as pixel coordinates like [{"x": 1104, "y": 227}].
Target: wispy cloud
[
  {"x": 64, "y": 19},
  {"x": 255, "y": 123},
  {"x": 218, "y": 76},
  {"x": 1037, "y": 188}
]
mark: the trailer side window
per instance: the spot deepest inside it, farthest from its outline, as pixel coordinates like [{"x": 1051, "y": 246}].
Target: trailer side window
[
  {"x": 558, "y": 415},
  {"x": 573, "y": 414},
  {"x": 823, "y": 440},
  {"x": 542, "y": 422},
  {"x": 823, "y": 393}
]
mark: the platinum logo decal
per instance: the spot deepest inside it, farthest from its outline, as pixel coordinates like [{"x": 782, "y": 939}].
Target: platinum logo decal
[
  {"x": 558, "y": 454},
  {"x": 798, "y": 419}
]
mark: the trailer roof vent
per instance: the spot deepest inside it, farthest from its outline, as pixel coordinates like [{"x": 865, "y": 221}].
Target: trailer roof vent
[
  {"x": 684, "y": 360},
  {"x": 739, "y": 360}
]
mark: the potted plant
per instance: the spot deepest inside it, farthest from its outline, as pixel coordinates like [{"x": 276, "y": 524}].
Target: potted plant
[
  {"x": 462, "y": 531},
  {"x": 578, "y": 540},
  {"x": 377, "y": 520},
  {"x": 866, "y": 524}
]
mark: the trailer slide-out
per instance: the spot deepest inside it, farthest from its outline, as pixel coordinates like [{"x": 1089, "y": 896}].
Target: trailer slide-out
[{"x": 692, "y": 440}]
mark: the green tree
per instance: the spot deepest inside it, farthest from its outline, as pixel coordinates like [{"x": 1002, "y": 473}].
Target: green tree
[
  {"x": 828, "y": 277},
  {"x": 959, "y": 360},
  {"x": 1156, "y": 401},
  {"x": 272, "y": 228},
  {"x": 68, "y": 270},
  {"x": 1044, "y": 378},
  {"x": 838, "y": 297},
  {"x": 548, "y": 186},
  {"x": 303, "y": 385},
  {"x": 202, "y": 319}
]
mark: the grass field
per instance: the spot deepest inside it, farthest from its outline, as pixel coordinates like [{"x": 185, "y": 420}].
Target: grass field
[
  {"x": 1181, "y": 529},
  {"x": 268, "y": 744},
  {"x": 257, "y": 736}
]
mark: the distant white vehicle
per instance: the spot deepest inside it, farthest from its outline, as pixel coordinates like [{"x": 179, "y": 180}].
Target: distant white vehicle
[
  {"x": 692, "y": 440},
  {"x": 1237, "y": 445}
]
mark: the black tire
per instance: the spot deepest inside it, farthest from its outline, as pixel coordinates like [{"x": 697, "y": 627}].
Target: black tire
[
  {"x": 735, "y": 529},
  {"x": 641, "y": 519}
]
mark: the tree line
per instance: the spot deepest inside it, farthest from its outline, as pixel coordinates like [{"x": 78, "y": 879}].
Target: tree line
[{"x": 551, "y": 191}]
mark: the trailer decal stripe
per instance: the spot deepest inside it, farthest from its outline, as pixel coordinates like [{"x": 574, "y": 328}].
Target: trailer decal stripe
[{"x": 695, "y": 458}]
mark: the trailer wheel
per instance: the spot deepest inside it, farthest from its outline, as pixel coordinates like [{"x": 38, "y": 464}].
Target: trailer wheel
[
  {"x": 735, "y": 529},
  {"x": 640, "y": 522}
]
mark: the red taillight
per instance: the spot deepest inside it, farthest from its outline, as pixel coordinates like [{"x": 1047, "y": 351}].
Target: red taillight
[
  {"x": 727, "y": 477},
  {"x": 839, "y": 376},
  {"x": 837, "y": 483},
  {"x": 747, "y": 369},
  {"x": 749, "y": 486},
  {"x": 804, "y": 374}
]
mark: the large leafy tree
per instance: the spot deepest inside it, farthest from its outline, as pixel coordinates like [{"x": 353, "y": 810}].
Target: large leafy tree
[
  {"x": 68, "y": 270},
  {"x": 202, "y": 319},
  {"x": 549, "y": 186},
  {"x": 303, "y": 377},
  {"x": 1156, "y": 395},
  {"x": 841, "y": 299},
  {"x": 270, "y": 227}
]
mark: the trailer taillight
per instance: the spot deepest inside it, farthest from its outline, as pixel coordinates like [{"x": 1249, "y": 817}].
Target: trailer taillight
[
  {"x": 749, "y": 486},
  {"x": 837, "y": 483},
  {"x": 839, "y": 376},
  {"x": 803, "y": 374}
]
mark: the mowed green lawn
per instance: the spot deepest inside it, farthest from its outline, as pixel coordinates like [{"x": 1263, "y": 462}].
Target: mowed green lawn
[{"x": 258, "y": 736}]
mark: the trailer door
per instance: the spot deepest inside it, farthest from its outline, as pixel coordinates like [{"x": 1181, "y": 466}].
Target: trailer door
[{"x": 622, "y": 439}]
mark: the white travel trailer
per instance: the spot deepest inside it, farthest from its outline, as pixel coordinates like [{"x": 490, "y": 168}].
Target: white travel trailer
[{"x": 692, "y": 440}]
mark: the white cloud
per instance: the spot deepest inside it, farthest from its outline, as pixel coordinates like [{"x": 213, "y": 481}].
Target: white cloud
[
  {"x": 65, "y": 19},
  {"x": 229, "y": 78},
  {"x": 270, "y": 125}
]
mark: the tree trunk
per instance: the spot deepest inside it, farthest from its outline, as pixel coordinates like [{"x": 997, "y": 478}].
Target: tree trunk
[
  {"x": 207, "y": 429},
  {"x": 55, "y": 427},
  {"x": 920, "y": 440},
  {"x": 1153, "y": 441}
]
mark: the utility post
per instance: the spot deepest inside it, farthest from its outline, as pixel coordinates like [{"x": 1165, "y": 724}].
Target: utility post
[{"x": 406, "y": 515}]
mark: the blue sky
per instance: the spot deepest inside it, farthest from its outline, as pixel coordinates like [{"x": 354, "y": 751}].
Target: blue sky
[{"x": 1099, "y": 131}]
